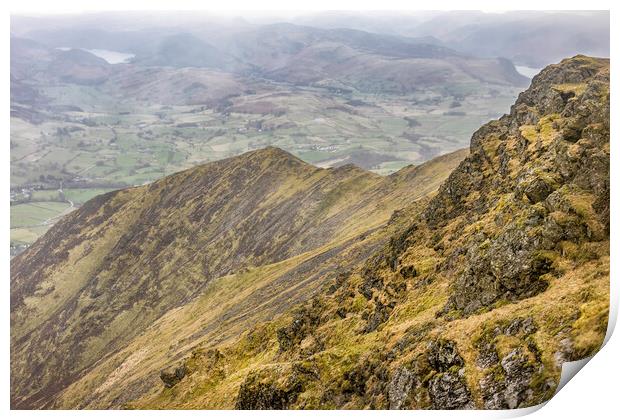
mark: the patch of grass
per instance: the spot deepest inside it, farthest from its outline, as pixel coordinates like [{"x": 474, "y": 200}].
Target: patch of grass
[{"x": 529, "y": 132}]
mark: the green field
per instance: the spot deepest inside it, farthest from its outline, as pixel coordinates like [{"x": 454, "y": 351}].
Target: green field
[
  {"x": 101, "y": 146},
  {"x": 31, "y": 220},
  {"x": 46, "y": 195},
  {"x": 34, "y": 214},
  {"x": 26, "y": 236}
]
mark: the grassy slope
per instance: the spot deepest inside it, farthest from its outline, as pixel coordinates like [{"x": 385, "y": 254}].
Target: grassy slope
[
  {"x": 563, "y": 306},
  {"x": 127, "y": 257}
]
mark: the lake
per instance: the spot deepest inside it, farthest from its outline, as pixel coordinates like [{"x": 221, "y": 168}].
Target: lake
[{"x": 112, "y": 57}]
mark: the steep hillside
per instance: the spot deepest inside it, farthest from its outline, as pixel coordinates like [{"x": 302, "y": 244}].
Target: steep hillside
[
  {"x": 110, "y": 269},
  {"x": 367, "y": 72},
  {"x": 28, "y": 57},
  {"x": 186, "y": 50},
  {"x": 79, "y": 67},
  {"x": 474, "y": 302},
  {"x": 31, "y": 61}
]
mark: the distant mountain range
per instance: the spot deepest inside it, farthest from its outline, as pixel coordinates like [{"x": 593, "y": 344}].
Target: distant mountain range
[{"x": 294, "y": 54}]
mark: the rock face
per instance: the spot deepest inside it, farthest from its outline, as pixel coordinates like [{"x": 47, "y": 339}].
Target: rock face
[
  {"x": 442, "y": 355},
  {"x": 448, "y": 392},
  {"x": 507, "y": 383},
  {"x": 447, "y": 388},
  {"x": 527, "y": 175},
  {"x": 304, "y": 321},
  {"x": 435, "y": 380},
  {"x": 399, "y": 387}
]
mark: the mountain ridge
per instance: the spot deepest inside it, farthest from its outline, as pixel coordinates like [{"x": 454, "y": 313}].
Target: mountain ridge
[{"x": 263, "y": 206}]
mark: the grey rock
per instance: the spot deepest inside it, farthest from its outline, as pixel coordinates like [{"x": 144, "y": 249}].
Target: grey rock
[
  {"x": 487, "y": 356},
  {"x": 399, "y": 387},
  {"x": 512, "y": 389},
  {"x": 380, "y": 315},
  {"x": 564, "y": 352},
  {"x": 537, "y": 190},
  {"x": 408, "y": 271},
  {"x": 442, "y": 355},
  {"x": 448, "y": 392},
  {"x": 523, "y": 326},
  {"x": 255, "y": 394},
  {"x": 509, "y": 267}
]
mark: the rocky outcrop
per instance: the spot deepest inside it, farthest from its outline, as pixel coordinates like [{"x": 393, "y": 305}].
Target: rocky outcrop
[
  {"x": 400, "y": 386},
  {"x": 173, "y": 375},
  {"x": 449, "y": 392},
  {"x": 527, "y": 185},
  {"x": 510, "y": 387},
  {"x": 507, "y": 266},
  {"x": 305, "y": 319},
  {"x": 511, "y": 379},
  {"x": 447, "y": 388},
  {"x": 258, "y": 393},
  {"x": 436, "y": 379}
]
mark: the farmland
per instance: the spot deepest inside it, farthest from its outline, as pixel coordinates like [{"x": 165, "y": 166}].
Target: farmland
[
  {"x": 110, "y": 147},
  {"x": 111, "y": 144}
]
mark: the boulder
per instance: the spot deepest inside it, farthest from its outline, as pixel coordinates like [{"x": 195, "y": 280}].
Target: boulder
[
  {"x": 442, "y": 355},
  {"x": 172, "y": 375},
  {"x": 408, "y": 271}
]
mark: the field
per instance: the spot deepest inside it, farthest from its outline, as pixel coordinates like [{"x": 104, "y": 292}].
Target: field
[
  {"x": 34, "y": 215},
  {"x": 133, "y": 142},
  {"x": 79, "y": 196},
  {"x": 30, "y": 214},
  {"x": 31, "y": 220}
]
